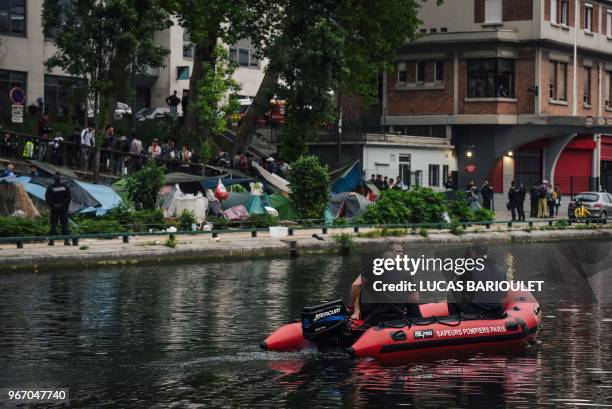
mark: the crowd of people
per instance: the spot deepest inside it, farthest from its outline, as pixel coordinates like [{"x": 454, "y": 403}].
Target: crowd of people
[
  {"x": 120, "y": 154},
  {"x": 386, "y": 183},
  {"x": 544, "y": 198}
]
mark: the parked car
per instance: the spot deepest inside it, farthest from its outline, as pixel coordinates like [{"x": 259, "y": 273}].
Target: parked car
[
  {"x": 599, "y": 205},
  {"x": 121, "y": 109},
  {"x": 152, "y": 113}
]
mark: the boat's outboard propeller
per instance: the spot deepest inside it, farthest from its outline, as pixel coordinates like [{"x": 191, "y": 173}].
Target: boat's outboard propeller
[{"x": 325, "y": 323}]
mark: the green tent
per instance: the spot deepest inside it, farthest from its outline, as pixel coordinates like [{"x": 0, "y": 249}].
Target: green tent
[{"x": 283, "y": 206}]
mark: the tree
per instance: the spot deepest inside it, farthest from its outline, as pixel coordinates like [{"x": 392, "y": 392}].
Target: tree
[
  {"x": 326, "y": 47},
  {"x": 143, "y": 186},
  {"x": 211, "y": 22},
  {"x": 211, "y": 103},
  {"x": 310, "y": 186},
  {"x": 104, "y": 42}
]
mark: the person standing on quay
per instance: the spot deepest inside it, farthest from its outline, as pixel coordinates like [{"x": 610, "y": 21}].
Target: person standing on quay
[
  {"x": 58, "y": 198},
  {"x": 487, "y": 195},
  {"x": 173, "y": 102}
]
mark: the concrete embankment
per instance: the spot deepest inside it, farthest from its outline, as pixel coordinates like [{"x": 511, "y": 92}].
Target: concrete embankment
[{"x": 145, "y": 251}]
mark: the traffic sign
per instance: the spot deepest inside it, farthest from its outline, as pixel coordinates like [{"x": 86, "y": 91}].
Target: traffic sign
[
  {"x": 17, "y": 96},
  {"x": 17, "y": 113},
  {"x": 470, "y": 168},
  {"x": 589, "y": 121}
]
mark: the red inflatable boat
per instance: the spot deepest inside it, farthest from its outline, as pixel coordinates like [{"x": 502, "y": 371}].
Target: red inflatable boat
[{"x": 436, "y": 334}]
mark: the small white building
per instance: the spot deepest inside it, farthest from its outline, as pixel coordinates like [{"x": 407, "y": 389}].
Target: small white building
[{"x": 419, "y": 161}]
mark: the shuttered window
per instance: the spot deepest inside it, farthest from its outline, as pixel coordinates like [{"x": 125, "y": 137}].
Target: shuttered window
[{"x": 493, "y": 11}]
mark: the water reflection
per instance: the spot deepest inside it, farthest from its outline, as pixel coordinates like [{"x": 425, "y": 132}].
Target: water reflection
[{"x": 188, "y": 335}]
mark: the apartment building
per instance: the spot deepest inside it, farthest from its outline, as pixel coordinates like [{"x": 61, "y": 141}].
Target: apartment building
[
  {"x": 500, "y": 79},
  {"x": 24, "y": 49}
]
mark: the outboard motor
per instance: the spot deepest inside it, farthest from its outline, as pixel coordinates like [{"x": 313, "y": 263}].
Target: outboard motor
[{"x": 324, "y": 323}]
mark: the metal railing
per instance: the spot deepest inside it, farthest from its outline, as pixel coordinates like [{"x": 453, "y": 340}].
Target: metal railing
[
  {"x": 80, "y": 157},
  {"x": 325, "y": 229}
]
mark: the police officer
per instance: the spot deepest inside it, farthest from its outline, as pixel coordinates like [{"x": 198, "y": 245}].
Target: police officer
[{"x": 58, "y": 199}]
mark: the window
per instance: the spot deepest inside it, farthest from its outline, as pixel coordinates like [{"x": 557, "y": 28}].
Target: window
[
  {"x": 244, "y": 54},
  {"x": 404, "y": 168},
  {"x": 8, "y": 80},
  {"x": 13, "y": 17},
  {"x": 444, "y": 174},
  {"x": 182, "y": 72},
  {"x": 434, "y": 175},
  {"x": 420, "y": 68},
  {"x": 558, "y": 81},
  {"x": 65, "y": 96},
  {"x": 608, "y": 85},
  {"x": 491, "y": 78},
  {"x": 439, "y": 71},
  {"x": 587, "y": 86},
  {"x": 493, "y": 11},
  {"x": 588, "y": 17},
  {"x": 559, "y": 11},
  {"x": 188, "y": 46},
  {"x": 402, "y": 74},
  {"x": 609, "y": 25}
]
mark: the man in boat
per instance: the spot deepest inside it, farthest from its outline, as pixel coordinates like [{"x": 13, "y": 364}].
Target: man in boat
[
  {"x": 382, "y": 309},
  {"x": 485, "y": 303}
]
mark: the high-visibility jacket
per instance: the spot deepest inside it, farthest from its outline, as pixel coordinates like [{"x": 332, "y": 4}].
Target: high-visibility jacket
[{"x": 28, "y": 150}]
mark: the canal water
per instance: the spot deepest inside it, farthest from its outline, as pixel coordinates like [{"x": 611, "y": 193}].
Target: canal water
[{"x": 187, "y": 336}]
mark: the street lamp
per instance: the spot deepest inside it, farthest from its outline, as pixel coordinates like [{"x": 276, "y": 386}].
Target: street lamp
[
  {"x": 469, "y": 153},
  {"x": 510, "y": 153}
]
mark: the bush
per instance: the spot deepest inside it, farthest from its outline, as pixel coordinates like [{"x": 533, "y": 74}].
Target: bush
[
  {"x": 18, "y": 227},
  {"x": 456, "y": 228},
  {"x": 310, "y": 183},
  {"x": 345, "y": 240},
  {"x": 99, "y": 225},
  {"x": 186, "y": 219},
  {"x": 143, "y": 186},
  {"x": 419, "y": 205},
  {"x": 262, "y": 221},
  {"x": 219, "y": 223},
  {"x": 484, "y": 215},
  {"x": 459, "y": 208}
]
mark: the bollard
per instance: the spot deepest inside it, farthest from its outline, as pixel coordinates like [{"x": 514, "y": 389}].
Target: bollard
[
  {"x": 530, "y": 225},
  {"x": 324, "y": 230},
  {"x": 290, "y": 231},
  {"x": 488, "y": 225},
  {"x": 254, "y": 233},
  {"x": 355, "y": 229},
  {"x": 19, "y": 244},
  {"x": 510, "y": 224},
  {"x": 75, "y": 241},
  {"x": 126, "y": 238},
  {"x": 293, "y": 248},
  {"x": 214, "y": 235},
  {"x": 550, "y": 223}
]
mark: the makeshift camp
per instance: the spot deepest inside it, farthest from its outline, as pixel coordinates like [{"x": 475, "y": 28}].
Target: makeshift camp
[
  {"x": 349, "y": 180},
  {"x": 105, "y": 195},
  {"x": 276, "y": 182},
  {"x": 197, "y": 204},
  {"x": 14, "y": 200},
  {"x": 283, "y": 206},
  {"x": 348, "y": 205}
]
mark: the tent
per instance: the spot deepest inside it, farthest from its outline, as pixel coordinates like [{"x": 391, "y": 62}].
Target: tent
[
  {"x": 349, "y": 180},
  {"x": 283, "y": 206},
  {"x": 51, "y": 170},
  {"x": 211, "y": 183},
  {"x": 276, "y": 182},
  {"x": 86, "y": 197},
  {"x": 235, "y": 199},
  {"x": 14, "y": 199},
  {"x": 348, "y": 205},
  {"x": 105, "y": 195}
]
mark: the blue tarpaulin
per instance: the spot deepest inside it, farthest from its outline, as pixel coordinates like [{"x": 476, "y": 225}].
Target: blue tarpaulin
[{"x": 349, "y": 180}]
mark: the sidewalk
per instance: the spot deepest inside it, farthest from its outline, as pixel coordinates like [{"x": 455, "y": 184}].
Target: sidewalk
[
  {"x": 36, "y": 257},
  {"x": 503, "y": 214}
]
